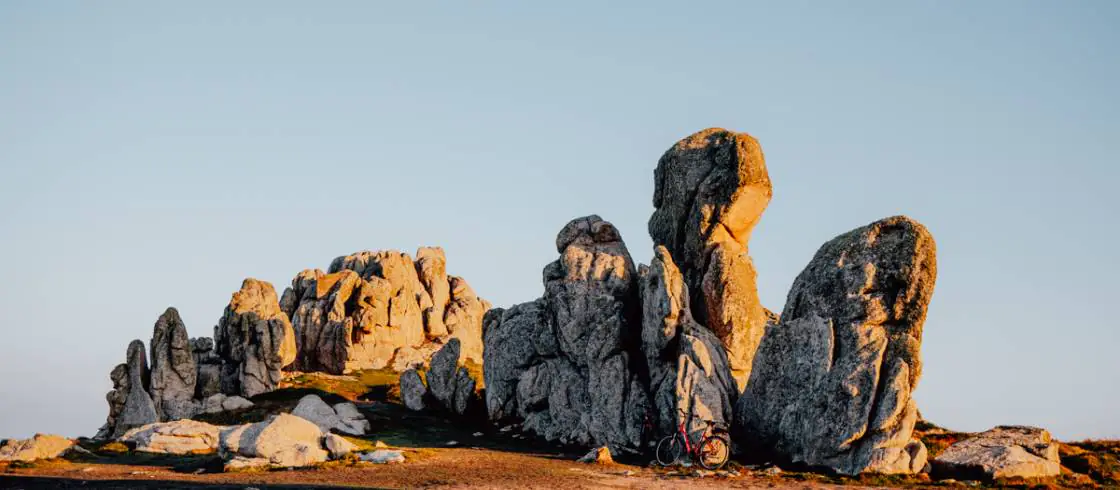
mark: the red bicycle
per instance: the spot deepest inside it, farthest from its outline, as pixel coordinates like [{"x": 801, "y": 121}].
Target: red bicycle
[{"x": 712, "y": 450}]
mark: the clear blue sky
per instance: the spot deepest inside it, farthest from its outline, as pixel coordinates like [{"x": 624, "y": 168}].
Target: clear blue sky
[{"x": 156, "y": 153}]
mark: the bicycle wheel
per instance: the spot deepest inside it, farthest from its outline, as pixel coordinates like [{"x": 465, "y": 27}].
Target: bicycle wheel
[
  {"x": 714, "y": 451},
  {"x": 669, "y": 450}
]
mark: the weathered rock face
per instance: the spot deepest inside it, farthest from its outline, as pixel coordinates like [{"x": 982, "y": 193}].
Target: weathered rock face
[
  {"x": 254, "y": 340},
  {"x": 449, "y": 383},
  {"x": 710, "y": 190},
  {"x": 116, "y": 398},
  {"x": 139, "y": 409},
  {"x": 1002, "y": 452},
  {"x": 42, "y": 446},
  {"x": 832, "y": 381},
  {"x": 174, "y": 371},
  {"x": 177, "y": 437},
  {"x": 688, "y": 366},
  {"x": 378, "y": 309},
  {"x": 563, "y": 363}
]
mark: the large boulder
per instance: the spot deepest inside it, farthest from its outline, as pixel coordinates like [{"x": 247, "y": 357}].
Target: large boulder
[
  {"x": 343, "y": 417},
  {"x": 42, "y": 446},
  {"x": 710, "y": 190},
  {"x": 1002, "y": 452},
  {"x": 565, "y": 364},
  {"x": 283, "y": 440},
  {"x": 688, "y": 366},
  {"x": 139, "y": 409},
  {"x": 831, "y": 385},
  {"x": 174, "y": 371},
  {"x": 175, "y": 437},
  {"x": 380, "y": 309},
  {"x": 254, "y": 340}
]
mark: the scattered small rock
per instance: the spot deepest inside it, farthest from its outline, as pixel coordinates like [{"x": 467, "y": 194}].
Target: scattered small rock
[
  {"x": 477, "y": 434},
  {"x": 772, "y": 471},
  {"x": 599, "y": 455},
  {"x": 382, "y": 456},
  {"x": 338, "y": 446},
  {"x": 452, "y": 443}
]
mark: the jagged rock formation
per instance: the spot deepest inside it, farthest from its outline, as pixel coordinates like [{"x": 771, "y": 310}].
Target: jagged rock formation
[
  {"x": 832, "y": 381},
  {"x": 565, "y": 363},
  {"x": 254, "y": 340},
  {"x": 688, "y": 366},
  {"x": 710, "y": 190},
  {"x": 139, "y": 409},
  {"x": 378, "y": 309},
  {"x": 449, "y": 384},
  {"x": 174, "y": 371},
  {"x": 1002, "y": 452}
]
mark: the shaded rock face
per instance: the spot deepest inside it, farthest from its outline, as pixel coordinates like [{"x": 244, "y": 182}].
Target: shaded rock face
[
  {"x": 208, "y": 381},
  {"x": 710, "y": 190},
  {"x": 1002, "y": 452},
  {"x": 139, "y": 409},
  {"x": 568, "y": 363},
  {"x": 378, "y": 309},
  {"x": 174, "y": 372},
  {"x": 449, "y": 383},
  {"x": 688, "y": 366},
  {"x": 832, "y": 381},
  {"x": 254, "y": 340}
]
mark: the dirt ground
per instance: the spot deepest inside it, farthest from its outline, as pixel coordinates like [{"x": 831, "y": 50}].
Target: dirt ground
[
  {"x": 439, "y": 452},
  {"x": 441, "y": 468}
]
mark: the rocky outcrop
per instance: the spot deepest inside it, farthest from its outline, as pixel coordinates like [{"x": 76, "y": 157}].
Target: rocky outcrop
[
  {"x": 449, "y": 383},
  {"x": 220, "y": 403},
  {"x": 1002, "y": 452},
  {"x": 710, "y": 190},
  {"x": 343, "y": 417},
  {"x": 565, "y": 364},
  {"x": 42, "y": 446},
  {"x": 176, "y": 437},
  {"x": 174, "y": 371},
  {"x": 689, "y": 374},
  {"x": 378, "y": 309},
  {"x": 139, "y": 409},
  {"x": 831, "y": 385},
  {"x": 283, "y": 440},
  {"x": 254, "y": 341}
]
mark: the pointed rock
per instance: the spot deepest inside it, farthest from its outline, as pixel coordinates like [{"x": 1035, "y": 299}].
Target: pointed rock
[
  {"x": 138, "y": 408},
  {"x": 174, "y": 372},
  {"x": 710, "y": 190}
]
